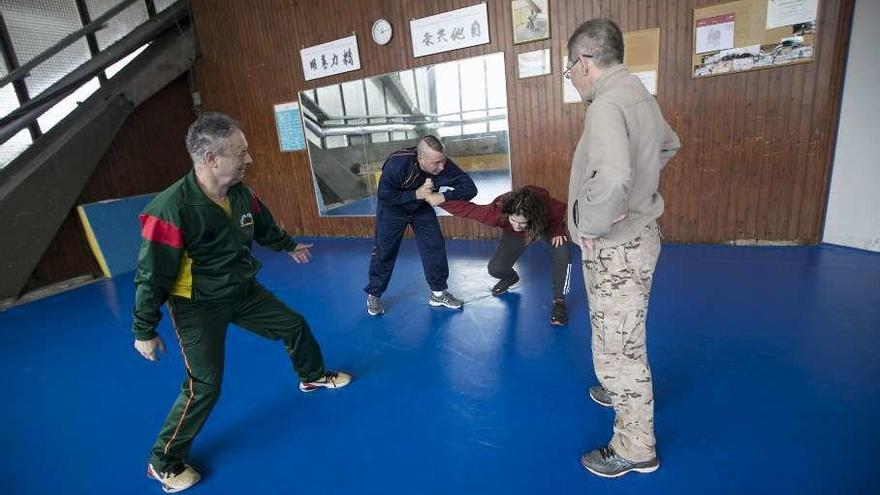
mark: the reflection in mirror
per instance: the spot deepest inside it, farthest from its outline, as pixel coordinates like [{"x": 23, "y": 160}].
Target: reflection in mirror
[{"x": 352, "y": 127}]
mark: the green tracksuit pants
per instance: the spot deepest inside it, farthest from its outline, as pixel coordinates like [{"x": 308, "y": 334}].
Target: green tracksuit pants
[{"x": 201, "y": 331}]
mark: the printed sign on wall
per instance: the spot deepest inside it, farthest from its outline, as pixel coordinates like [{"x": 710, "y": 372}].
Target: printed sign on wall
[
  {"x": 331, "y": 58},
  {"x": 451, "y": 30},
  {"x": 715, "y": 33}
]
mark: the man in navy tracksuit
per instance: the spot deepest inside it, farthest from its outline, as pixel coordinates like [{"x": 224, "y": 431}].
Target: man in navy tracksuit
[{"x": 407, "y": 196}]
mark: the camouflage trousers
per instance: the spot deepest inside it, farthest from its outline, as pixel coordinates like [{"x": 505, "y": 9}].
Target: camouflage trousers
[{"x": 618, "y": 282}]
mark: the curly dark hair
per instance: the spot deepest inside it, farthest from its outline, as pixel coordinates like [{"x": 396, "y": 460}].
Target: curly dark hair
[{"x": 523, "y": 202}]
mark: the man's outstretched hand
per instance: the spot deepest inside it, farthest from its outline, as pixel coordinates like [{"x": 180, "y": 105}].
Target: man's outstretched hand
[{"x": 301, "y": 253}]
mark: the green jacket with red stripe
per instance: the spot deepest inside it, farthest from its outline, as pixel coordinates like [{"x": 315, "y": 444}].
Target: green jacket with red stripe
[{"x": 182, "y": 219}]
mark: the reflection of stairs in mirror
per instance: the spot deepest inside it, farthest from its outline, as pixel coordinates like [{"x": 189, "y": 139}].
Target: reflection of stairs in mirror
[
  {"x": 483, "y": 144},
  {"x": 334, "y": 170}
]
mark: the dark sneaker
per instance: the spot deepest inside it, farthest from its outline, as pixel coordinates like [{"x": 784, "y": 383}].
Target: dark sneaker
[
  {"x": 445, "y": 299},
  {"x": 374, "y": 305},
  {"x": 600, "y": 395},
  {"x": 505, "y": 285},
  {"x": 178, "y": 478},
  {"x": 606, "y": 463},
  {"x": 331, "y": 379},
  {"x": 558, "y": 315}
]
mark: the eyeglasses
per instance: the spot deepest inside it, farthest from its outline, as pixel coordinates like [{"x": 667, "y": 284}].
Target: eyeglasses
[{"x": 567, "y": 73}]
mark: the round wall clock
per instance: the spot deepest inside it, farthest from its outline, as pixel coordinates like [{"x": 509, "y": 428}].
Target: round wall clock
[{"x": 382, "y": 31}]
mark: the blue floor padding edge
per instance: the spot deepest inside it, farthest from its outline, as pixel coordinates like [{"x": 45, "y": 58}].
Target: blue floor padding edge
[{"x": 764, "y": 363}]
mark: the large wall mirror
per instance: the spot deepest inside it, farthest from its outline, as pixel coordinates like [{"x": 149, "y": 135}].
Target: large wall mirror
[{"x": 352, "y": 127}]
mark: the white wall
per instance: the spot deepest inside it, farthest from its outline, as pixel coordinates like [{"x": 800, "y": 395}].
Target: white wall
[{"x": 853, "y": 216}]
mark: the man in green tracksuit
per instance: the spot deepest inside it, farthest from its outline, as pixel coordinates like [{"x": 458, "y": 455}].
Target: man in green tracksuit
[{"x": 196, "y": 257}]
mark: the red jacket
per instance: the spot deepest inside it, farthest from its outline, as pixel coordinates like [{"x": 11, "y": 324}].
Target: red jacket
[{"x": 491, "y": 214}]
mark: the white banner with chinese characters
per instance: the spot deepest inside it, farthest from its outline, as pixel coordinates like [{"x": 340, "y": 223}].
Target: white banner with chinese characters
[
  {"x": 450, "y": 30},
  {"x": 331, "y": 58}
]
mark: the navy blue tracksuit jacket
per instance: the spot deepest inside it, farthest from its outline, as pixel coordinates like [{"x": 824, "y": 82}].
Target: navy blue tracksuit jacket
[{"x": 398, "y": 207}]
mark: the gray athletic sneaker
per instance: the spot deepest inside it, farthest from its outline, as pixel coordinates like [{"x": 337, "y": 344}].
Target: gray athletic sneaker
[
  {"x": 606, "y": 463},
  {"x": 374, "y": 305},
  {"x": 600, "y": 395},
  {"x": 445, "y": 299}
]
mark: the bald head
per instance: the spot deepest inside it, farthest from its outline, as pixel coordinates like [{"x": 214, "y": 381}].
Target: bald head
[{"x": 431, "y": 142}]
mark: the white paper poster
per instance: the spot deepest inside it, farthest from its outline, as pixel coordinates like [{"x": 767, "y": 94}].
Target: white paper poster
[
  {"x": 787, "y": 12},
  {"x": 714, "y": 33},
  {"x": 531, "y": 64},
  {"x": 649, "y": 79},
  {"x": 451, "y": 30},
  {"x": 331, "y": 58},
  {"x": 569, "y": 92}
]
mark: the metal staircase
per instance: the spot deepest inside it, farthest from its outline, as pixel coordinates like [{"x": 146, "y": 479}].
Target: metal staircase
[{"x": 39, "y": 187}]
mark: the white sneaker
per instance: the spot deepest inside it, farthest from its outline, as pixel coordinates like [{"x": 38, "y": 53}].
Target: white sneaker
[
  {"x": 179, "y": 478},
  {"x": 331, "y": 379}
]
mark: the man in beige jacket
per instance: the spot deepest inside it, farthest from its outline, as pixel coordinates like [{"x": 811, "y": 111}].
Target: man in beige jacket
[{"x": 613, "y": 205}]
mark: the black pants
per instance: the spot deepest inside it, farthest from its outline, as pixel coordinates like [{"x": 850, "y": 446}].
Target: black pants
[
  {"x": 390, "y": 225},
  {"x": 510, "y": 248}
]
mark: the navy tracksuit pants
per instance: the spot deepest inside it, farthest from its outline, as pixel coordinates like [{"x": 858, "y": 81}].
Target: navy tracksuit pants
[{"x": 391, "y": 223}]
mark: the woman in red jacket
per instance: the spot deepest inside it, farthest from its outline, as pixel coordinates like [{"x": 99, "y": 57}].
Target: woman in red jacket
[{"x": 524, "y": 216}]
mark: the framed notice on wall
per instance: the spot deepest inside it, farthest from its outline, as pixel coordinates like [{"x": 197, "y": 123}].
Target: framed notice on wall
[
  {"x": 753, "y": 34},
  {"x": 331, "y": 58},
  {"x": 531, "y": 20},
  {"x": 451, "y": 30},
  {"x": 534, "y": 63}
]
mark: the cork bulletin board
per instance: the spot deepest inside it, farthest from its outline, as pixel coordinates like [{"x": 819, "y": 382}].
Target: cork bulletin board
[
  {"x": 641, "y": 55},
  {"x": 642, "y": 50},
  {"x": 744, "y": 42}
]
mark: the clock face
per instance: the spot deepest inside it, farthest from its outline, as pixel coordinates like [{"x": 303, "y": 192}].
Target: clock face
[{"x": 382, "y": 32}]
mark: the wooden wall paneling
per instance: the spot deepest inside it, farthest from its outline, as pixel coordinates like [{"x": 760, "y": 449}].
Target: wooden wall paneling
[
  {"x": 756, "y": 146},
  {"x": 818, "y": 111},
  {"x": 794, "y": 169},
  {"x": 700, "y": 186},
  {"x": 727, "y": 216},
  {"x": 721, "y": 166},
  {"x": 746, "y": 161},
  {"x": 759, "y": 184},
  {"x": 671, "y": 180},
  {"x": 669, "y": 68},
  {"x": 799, "y": 114},
  {"x": 778, "y": 91}
]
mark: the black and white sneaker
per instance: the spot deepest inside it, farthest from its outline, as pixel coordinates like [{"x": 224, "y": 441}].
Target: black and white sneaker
[
  {"x": 445, "y": 299},
  {"x": 606, "y": 463},
  {"x": 505, "y": 285},
  {"x": 600, "y": 396},
  {"x": 558, "y": 315}
]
